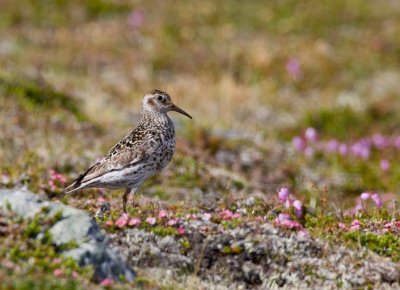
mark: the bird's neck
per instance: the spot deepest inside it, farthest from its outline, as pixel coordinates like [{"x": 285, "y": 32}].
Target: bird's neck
[{"x": 149, "y": 117}]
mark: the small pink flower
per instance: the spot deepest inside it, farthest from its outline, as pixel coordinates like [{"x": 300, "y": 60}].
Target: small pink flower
[
  {"x": 388, "y": 225},
  {"x": 379, "y": 141},
  {"x": 58, "y": 272},
  {"x": 288, "y": 203},
  {"x": 343, "y": 149},
  {"x": 226, "y": 214},
  {"x": 106, "y": 282},
  {"x": 291, "y": 224},
  {"x": 365, "y": 195},
  {"x": 283, "y": 194},
  {"x": 151, "y": 220},
  {"x": 259, "y": 218},
  {"x": 74, "y": 274},
  {"x": 191, "y": 216},
  {"x": 355, "y": 225},
  {"x": 109, "y": 223},
  {"x": 134, "y": 222},
  {"x": 282, "y": 217},
  {"x": 332, "y": 146},
  {"x": 377, "y": 200},
  {"x": 293, "y": 68},
  {"x": 181, "y": 230},
  {"x": 361, "y": 148},
  {"x": 342, "y": 226},
  {"x": 162, "y": 214},
  {"x": 136, "y": 18},
  {"x": 122, "y": 220},
  {"x": 303, "y": 233},
  {"x": 311, "y": 135},
  {"x": 206, "y": 216},
  {"x": 397, "y": 142},
  {"x": 172, "y": 222},
  {"x": 101, "y": 200},
  {"x": 358, "y": 207},
  {"x": 298, "y": 208},
  {"x": 309, "y": 152},
  {"x": 385, "y": 165},
  {"x": 298, "y": 143}
]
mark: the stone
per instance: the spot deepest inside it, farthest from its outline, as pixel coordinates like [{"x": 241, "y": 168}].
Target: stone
[{"x": 75, "y": 225}]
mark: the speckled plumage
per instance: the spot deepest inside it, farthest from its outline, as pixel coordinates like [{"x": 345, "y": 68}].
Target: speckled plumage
[{"x": 141, "y": 154}]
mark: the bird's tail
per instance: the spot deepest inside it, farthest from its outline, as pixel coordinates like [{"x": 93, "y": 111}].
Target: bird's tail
[{"x": 77, "y": 184}]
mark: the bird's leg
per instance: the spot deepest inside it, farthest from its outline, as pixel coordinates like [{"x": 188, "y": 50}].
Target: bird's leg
[
  {"x": 134, "y": 204},
  {"x": 125, "y": 198}
]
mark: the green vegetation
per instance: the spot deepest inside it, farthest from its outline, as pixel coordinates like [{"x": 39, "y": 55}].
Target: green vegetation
[{"x": 254, "y": 75}]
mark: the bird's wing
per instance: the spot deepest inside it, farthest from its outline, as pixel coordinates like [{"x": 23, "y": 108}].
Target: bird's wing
[{"x": 128, "y": 152}]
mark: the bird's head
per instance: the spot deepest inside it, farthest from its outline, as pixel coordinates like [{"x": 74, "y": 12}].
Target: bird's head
[{"x": 157, "y": 101}]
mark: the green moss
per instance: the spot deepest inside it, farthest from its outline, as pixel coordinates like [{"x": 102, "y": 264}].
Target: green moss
[
  {"x": 386, "y": 244},
  {"x": 164, "y": 231}
]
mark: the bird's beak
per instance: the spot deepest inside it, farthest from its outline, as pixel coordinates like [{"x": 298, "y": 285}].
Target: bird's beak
[{"x": 179, "y": 110}]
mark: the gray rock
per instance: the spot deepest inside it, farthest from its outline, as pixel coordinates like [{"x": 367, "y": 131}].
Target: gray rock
[{"x": 75, "y": 225}]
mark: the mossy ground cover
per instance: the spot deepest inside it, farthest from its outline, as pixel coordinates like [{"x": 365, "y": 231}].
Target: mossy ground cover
[{"x": 254, "y": 76}]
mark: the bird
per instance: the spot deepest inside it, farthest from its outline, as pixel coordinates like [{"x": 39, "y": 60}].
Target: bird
[{"x": 141, "y": 154}]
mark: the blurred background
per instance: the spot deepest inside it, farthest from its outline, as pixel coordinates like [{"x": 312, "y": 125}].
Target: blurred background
[{"x": 254, "y": 76}]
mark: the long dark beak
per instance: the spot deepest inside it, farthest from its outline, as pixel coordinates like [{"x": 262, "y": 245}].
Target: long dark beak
[{"x": 179, "y": 110}]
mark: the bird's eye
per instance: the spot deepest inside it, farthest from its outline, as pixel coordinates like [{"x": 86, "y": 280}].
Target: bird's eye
[{"x": 160, "y": 98}]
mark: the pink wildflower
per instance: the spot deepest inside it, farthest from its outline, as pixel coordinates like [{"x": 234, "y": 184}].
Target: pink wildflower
[
  {"x": 74, "y": 274},
  {"x": 332, "y": 145},
  {"x": 206, "y": 216},
  {"x": 283, "y": 194},
  {"x": 136, "y": 18},
  {"x": 298, "y": 208},
  {"x": 311, "y": 135},
  {"x": 385, "y": 165},
  {"x": 58, "y": 272},
  {"x": 122, "y": 220},
  {"x": 288, "y": 203},
  {"x": 358, "y": 207},
  {"x": 101, "y": 200},
  {"x": 236, "y": 215},
  {"x": 172, "y": 222},
  {"x": 226, "y": 214},
  {"x": 106, "y": 282},
  {"x": 379, "y": 141},
  {"x": 291, "y": 224},
  {"x": 355, "y": 225},
  {"x": 343, "y": 149},
  {"x": 162, "y": 214},
  {"x": 298, "y": 143},
  {"x": 151, "y": 220},
  {"x": 259, "y": 218},
  {"x": 303, "y": 233},
  {"x": 282, "y": 217},
  {"x": 57, "y": 261},
  {"x": 181, "y": 230},
  {"x": 134, "y": 222},
  {"x": 397, "y": 142},
  {"x": 309, "y": 152},
  {"x": 377, "y": 200},
  {"x": 293, "y": 68},
  {"x": 365, "y": 195},
  {"x": 342, "y": 226}
]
